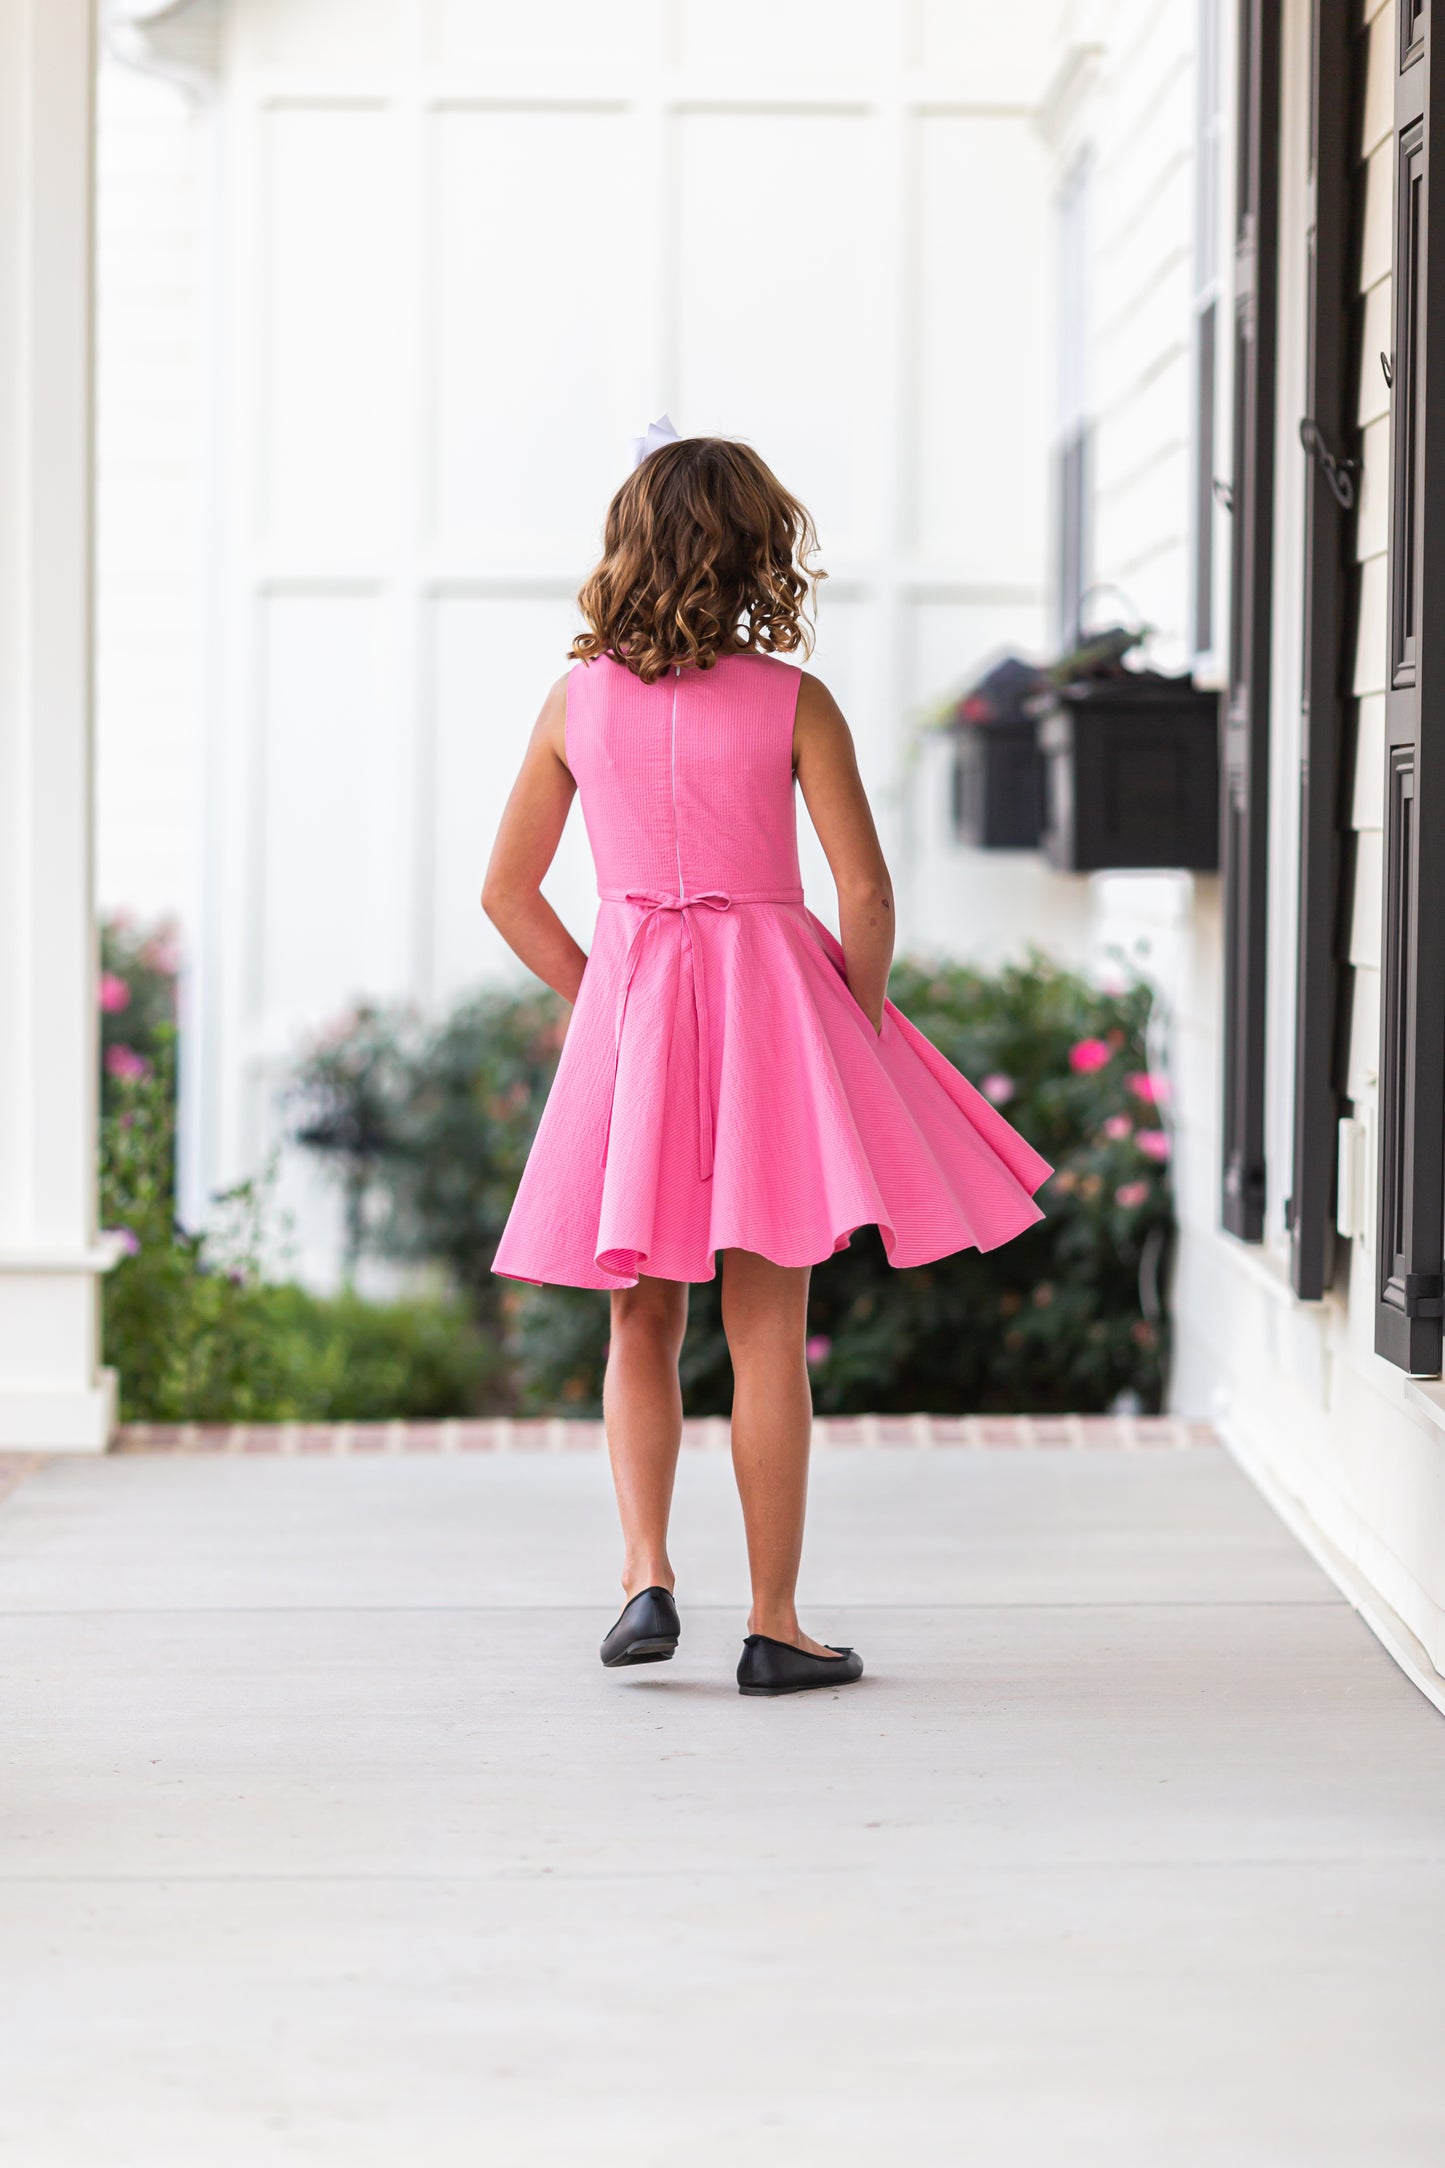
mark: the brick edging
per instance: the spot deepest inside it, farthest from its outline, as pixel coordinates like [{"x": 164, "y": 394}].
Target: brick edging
[{"x": 506, "y": 1434}]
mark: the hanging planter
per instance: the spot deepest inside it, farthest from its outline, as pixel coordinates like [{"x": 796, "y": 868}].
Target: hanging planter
[
  {"x": 997, "y": 785},
  {"x": 1130, "y": 764}
]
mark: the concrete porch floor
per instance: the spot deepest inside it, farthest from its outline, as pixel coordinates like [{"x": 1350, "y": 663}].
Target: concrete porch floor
[{"x": 324, "y": 1837}]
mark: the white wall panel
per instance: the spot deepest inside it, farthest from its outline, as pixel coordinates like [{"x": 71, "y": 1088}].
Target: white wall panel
[
  {"x": 846, "y": 660},
  {"x": 493, "y": 660},
  {"x": 548, "y": 34},
  {"x": 783, "y": 38},
  {"x": 475, "y": 247},
  {"x": 329, "y": 324},
  {"x": 986, "y": 905},
  {"x": 330, "y": 847},
  {"x": 778, "y": 332},
  {"x": 539, "y": 370},
  {"x": 336, "y": 37},
  {"x": 949, "y": 643},
  {"x": 984, "y": 365},
  {"x": 976, "y": 44}
]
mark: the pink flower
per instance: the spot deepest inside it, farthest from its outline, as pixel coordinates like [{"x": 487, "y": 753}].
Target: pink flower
[
  {"x": 1153, "y": 1143},
  {"x": 999, "y": 1088},
  {"x": 1153, "y": 1090},
  {"x": 127, "y": 1241},
  {"x": 161, "y": 954},
  {"x": 818, "y": 1348},
  {"x": 1117, "y": 1127},
  {"x": 1088, "y": 1055},
  {"x": 337, "y": 1031},
  {"x": 1130, "y": 1194},
  {"x": 125, "y": 1062},
  {"x": 114, "y": 994}
]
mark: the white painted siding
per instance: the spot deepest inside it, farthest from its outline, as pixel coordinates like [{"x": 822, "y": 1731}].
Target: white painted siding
[
  {"x": 1137, "y": 119},
  {"x": 1376, "y": 149},
  {"x": 1126, "y": 93}
]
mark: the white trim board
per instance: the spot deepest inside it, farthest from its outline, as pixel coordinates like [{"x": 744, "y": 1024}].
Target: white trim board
[{"x": 1384, "y": 1623}]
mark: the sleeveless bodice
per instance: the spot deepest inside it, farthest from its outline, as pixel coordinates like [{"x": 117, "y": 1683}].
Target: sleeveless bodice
[{"x": 687, "y": 784}]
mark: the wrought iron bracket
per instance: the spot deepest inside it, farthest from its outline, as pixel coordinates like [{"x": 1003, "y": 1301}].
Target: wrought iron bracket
[{"x": 1339, "y": 473}]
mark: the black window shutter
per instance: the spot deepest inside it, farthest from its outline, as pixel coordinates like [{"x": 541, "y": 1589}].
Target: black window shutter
[
  {"x": 1245, "y": 762},
  {"x": 1412, "y": 993},
  {"x": 1329, "y": 499}
]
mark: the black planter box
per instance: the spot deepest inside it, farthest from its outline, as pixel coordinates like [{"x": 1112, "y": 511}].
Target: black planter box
[
  {"x": 1131, "y": 776},
  {"x": 997, "y": 788}
]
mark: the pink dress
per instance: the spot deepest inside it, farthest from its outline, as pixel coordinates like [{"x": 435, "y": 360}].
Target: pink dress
[{"x": 719, "y": 1087}]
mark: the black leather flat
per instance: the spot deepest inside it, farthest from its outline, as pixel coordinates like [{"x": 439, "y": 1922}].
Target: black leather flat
[
  {"x": 647, "y": 1632},
  {"x": 776, "y": 1667}
]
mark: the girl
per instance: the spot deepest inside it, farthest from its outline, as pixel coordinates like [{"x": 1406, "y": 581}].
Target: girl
[{"x": 733, "y": 1078}]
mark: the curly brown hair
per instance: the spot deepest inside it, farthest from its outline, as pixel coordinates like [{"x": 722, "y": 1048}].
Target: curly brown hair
[{"x": 704, "y": 553}]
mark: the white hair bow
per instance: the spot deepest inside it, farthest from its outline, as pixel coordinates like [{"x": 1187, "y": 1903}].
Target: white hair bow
[{"x": 659, "y": 432}]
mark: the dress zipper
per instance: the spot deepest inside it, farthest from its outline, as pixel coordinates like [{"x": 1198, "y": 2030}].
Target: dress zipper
[{"x": 672, "y": 774}]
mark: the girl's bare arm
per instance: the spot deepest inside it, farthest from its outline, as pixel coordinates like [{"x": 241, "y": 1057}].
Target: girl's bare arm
[
  {"x": 827, "y": 771},
  {"x": 526, "y": 844}
]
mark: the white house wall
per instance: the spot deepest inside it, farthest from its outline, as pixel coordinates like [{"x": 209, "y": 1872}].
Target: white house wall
[
  {"x": 1125, "y": 95},
  {"x": 1139, "y": 125},
  {"x": 470, "y": 250},
  {"x": 1298, "y": 1386},
  {"x": 1355, "y": 1445},
  {"x": 1354, "y": 1450}
]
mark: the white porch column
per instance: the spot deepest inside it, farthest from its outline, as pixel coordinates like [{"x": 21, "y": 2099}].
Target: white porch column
[{"x": 53, "y": 1393}]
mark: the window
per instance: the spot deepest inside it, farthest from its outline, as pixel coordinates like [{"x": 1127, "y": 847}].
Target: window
[{"x": 1245, "y": 736}]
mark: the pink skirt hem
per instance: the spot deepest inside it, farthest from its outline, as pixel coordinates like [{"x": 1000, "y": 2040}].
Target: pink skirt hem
[{"x": 816, "y": 1125}]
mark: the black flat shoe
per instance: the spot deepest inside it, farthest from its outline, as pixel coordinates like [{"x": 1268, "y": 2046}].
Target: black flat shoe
[
  {"x": 776, "y": 1667},
  {"x": 646, "y": 1633}
]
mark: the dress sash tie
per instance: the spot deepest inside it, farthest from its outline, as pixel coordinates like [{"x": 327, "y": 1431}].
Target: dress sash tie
[{"x": 656, "y": 908}]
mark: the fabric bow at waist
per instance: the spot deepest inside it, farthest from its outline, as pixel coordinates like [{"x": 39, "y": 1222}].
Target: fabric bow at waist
[{"x": 656, "y": 908}]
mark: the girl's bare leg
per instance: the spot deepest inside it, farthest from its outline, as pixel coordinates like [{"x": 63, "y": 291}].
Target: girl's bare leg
[
  {"x": 642, "y": 1408},
  {"x": 765, "y": 1316}
]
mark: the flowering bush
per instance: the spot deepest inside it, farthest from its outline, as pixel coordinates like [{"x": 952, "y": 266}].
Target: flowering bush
[
  {"x": 1071, "y": 1315},
  {"x": 429, "y": 1127},
  {"x": 435, "y": 1128},
  {"x": 137, "y": 1001},
  {"x": 190, "y": 1325}
]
